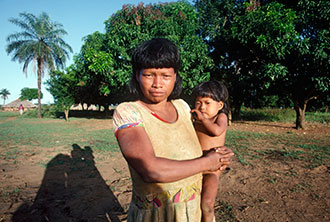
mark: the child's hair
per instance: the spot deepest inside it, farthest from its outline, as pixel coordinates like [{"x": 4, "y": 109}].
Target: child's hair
[
  {"x": 156, "y": 53},
  {"x": 215, "y": 90}
]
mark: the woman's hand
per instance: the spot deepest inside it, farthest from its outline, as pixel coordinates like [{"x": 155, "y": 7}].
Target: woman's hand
[
  {"x": 219, "y": 160},
  {"x": 226, "y": 156}
]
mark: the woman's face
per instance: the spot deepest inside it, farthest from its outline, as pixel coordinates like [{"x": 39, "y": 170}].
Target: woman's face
[{"x": 156, "y": 84}]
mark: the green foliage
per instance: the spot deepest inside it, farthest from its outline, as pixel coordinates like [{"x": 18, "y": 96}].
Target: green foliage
[
  {"x": 30, "y": 94},
  {"x": 39, "y": 42},
  {"x": 47, "y": 111},
  {"x": 245, "y": 44},
  {"x": 320, "y": 117},
  {"x": 269, "y": 48},
  {"x": 62, "y": 86},
  {"x": 103, "y": 63},
  {"x": 268, "y": 28},
  {"x": 266, "y": 114},
  {"x": 4, "y": 93}
]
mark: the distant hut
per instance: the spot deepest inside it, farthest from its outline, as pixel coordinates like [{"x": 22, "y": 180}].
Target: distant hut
[{"x": 14, "y": 105}]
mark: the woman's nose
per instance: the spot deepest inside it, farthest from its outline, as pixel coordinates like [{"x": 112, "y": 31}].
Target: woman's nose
[{"x": 157, "y": 82}]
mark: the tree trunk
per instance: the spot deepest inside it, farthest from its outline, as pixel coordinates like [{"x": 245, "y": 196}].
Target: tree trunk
[
  {"x": 236, "y": 110},
  {"x": 39, "y": 87},
  {"x": 300, "y": 108},
  {"x": 66, "y": 114},
  {"x": 229, "y": 118}
]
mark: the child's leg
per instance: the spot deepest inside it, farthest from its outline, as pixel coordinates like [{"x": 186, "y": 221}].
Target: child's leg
[{"x": 209, "y": 194}]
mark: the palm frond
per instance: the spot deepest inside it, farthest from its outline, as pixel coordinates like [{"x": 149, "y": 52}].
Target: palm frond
[{"x": 40, "y": 42}]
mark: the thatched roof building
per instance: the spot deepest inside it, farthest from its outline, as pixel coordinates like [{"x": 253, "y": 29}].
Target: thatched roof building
[{"x": 14, "y": 105}]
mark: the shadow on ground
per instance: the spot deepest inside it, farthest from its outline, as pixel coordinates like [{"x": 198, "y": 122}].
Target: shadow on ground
[{"x": 72, "y": 190}]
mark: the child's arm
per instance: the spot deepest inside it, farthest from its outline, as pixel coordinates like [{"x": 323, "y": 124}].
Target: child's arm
[{"x": 214, "y": 128}]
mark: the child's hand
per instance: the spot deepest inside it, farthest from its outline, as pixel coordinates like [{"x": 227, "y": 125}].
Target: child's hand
[{"x": 197, "y": 115}]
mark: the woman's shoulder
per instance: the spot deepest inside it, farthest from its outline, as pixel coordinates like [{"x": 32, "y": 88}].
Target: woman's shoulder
[
  {"x": 125, "y": 107},
  {"x": 182, "y": 103}
]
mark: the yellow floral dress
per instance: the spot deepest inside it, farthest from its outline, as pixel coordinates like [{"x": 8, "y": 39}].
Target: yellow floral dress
[{"x": 159, "y": 202}]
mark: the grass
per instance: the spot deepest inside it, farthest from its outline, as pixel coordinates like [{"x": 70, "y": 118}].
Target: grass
[
  {"x": 22, "y": 137},
  {"x": 49, "y": 133},
  {"x": 283, "y": 147}
]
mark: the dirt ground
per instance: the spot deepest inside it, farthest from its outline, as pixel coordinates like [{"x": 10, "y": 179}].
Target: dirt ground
[{"x": 82, "y": 185}]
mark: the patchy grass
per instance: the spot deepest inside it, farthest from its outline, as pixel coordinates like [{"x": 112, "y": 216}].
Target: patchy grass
[
  {"x": 50, "y": 133},
  {"x": 278, "y": 146}
]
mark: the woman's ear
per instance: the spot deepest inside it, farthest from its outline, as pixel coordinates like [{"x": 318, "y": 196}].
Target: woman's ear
[{"x": 221, "y": 104}]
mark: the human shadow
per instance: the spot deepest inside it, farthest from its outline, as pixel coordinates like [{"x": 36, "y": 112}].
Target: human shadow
[{"x": 72, "y": 190}]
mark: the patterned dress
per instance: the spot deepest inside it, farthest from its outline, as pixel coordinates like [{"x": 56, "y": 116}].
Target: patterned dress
[{"x": 177, "y": 201}]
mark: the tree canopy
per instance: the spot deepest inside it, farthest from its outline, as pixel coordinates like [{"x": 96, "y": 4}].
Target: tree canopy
[
  {"x": 265, "y": 47},
  {"x": 29, "y": 94},
  {"x": 103, "y": 64},
  {"x": 269, "y": 53},
  {"x": 62, "y": 85},
  {"x": 4, "y": 95}
]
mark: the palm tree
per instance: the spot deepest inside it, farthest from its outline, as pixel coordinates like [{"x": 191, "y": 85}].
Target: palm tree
[
  {"x": 4, "y": 94},
  {"x": 39, "y": 42}
]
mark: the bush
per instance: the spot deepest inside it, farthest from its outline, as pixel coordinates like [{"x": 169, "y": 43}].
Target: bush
[
  {"x": 47, "y": 111},
  {"x": 268, "y": 114},
  {"x": 319, "y": 117}
]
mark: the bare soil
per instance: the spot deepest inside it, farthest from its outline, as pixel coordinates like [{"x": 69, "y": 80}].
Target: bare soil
[{"x": 86, "y": 185}]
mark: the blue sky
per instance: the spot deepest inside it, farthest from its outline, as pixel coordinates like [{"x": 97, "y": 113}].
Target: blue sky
[{"x": 78, "y": 17}]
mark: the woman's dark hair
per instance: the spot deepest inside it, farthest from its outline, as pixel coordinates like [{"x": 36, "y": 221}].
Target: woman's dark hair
[
  {"x": 215, "y": 90},
  {"x": 156, "y": 53}
]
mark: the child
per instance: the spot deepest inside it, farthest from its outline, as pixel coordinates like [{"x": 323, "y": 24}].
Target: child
[{"x": 210, "y": 122}]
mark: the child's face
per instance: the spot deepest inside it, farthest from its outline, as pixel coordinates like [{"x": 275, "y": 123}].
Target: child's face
[{"x": 207, "y": 106}]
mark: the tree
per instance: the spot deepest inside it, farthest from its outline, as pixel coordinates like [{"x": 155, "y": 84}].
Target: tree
[
  {"x": 247, "y": 42},
  {"x": 39, "y": 42},
  {"x": 308, "y": 63},
  {"x": 4, "y": 94},
  {"x": 30, "y": 94},
  {"x": 103, "y": 63},
  {"x": 62, "y": 87},
  {"x": 264, "y": 47}
]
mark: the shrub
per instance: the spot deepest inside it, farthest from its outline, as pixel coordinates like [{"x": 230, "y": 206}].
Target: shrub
[{"x": 47, "y": 111}]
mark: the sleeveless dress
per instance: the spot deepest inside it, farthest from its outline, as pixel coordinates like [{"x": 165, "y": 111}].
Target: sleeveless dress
[{"x": 177, "y": 201}]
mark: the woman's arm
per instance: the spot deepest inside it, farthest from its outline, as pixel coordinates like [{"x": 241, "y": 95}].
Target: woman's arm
[{"x": 139, "y": 153}]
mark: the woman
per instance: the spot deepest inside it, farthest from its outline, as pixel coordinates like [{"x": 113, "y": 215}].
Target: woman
[{"x": 158, "y": 141}]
